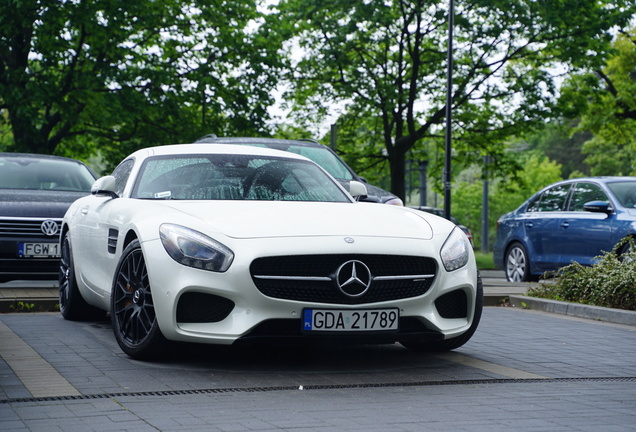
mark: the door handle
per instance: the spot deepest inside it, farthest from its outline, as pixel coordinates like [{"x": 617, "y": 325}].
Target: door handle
[
  {"x": 565, "y": 224},
  {"x": 84, "y": 211}
]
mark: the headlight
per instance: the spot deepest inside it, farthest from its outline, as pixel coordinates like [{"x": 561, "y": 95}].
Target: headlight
[
  {"x": 454, "y": 253},
  {"x": 194, "y": 249}
]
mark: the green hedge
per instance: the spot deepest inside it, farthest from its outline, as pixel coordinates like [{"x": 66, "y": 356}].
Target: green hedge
[{"x": 611, "y": 282}]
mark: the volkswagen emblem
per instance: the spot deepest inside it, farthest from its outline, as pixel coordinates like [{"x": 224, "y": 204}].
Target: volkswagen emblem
[
  {"x": 353, "y": 278},
  {"x": 49, "y": 227}
]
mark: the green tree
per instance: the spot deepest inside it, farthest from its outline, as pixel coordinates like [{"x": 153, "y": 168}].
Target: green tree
[
  {"x": 386, "y": 60},
  {"x": 505, "y": 194},
  {"x": 605, "y": 100},
  {"x": 561, "y": 143},
  {"x": 120, "y": 75}
]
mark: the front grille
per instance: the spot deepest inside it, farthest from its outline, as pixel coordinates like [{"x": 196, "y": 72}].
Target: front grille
[
  {"x": 313, "y": 278},
  {"x": 453, "y": 305},
  {"x": 25, "y": 227}
]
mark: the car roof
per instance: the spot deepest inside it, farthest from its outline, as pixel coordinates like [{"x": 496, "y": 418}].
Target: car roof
[
  {"x": 9, "y": 155},
  {"x": 269, "y": 142},
  {"x": 202, "y": 148},
  {"x": 599, "y": 179}
]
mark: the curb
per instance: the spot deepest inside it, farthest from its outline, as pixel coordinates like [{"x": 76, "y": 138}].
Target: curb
[
  {"x": 597, "y": 313},
  {"x": 29, "y": 305}
]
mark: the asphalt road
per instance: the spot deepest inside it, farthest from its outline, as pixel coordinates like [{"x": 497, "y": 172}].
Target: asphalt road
[{"x": 523, "y": 370}]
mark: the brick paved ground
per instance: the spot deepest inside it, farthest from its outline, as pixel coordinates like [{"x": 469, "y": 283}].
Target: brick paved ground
[{"x": 523, "y": 371}]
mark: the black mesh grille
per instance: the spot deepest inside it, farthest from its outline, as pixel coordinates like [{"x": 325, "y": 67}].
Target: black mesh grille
[
  {"x": 197, "y": 307},
  {"x": 453, "y": 305},
  {"x": 326, "y": 266}
]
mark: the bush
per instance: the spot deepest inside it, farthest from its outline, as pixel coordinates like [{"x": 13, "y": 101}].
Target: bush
[{"x": 611, "y": 282}]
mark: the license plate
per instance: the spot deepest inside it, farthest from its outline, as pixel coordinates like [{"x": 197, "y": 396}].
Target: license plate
[
  {"x": 355, "y": 320},
  {"x": 39, "y": 250}
]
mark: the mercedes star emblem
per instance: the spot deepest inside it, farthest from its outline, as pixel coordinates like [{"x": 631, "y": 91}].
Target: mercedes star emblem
[{"x": 353, "y": 278}]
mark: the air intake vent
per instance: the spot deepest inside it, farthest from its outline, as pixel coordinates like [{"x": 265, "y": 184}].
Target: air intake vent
[
  {"x": 453, "y": 305},
  {"x": 197, "y": 307}
]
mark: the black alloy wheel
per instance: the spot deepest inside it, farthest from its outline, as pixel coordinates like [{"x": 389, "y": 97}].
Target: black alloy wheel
[
  {"x": 73, "y": 307},
  {"x": 132, "y": 308}
]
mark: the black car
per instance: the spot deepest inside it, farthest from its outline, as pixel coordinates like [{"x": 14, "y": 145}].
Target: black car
[
  {"x": 35, "y": 191},
  {"x": 319, "y": 153},
  {"x": 440, "y": 212}
]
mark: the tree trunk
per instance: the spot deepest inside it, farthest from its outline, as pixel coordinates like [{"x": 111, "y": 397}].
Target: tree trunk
[{"x": 397, "y": 162}]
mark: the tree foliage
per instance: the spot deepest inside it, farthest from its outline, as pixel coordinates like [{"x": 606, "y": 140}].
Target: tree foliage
[
  {"x": 386, "y": 59},
  {"x": 126, "y": 74},
  {"x": 505, "y": 194},
  {"x": 605, "y": 99}
]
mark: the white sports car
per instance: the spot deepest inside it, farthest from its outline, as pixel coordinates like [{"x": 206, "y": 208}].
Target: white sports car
[{"x": 228, "y": 244}]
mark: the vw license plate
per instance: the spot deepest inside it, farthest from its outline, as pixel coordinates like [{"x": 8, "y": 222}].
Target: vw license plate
[
  {"x": 338, "y": 320},
  {"x": 39, "y": 250}
]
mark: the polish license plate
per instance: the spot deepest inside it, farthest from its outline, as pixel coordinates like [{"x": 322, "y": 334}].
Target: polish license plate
[
  {"x": 355, "y": 320},
  {"x": 39, "y": 250}
]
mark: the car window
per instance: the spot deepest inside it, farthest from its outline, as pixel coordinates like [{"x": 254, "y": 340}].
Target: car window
[
  {"x": 625, "y": 192},
  {"x": 44, "y": 174},
  {"x": 121, "y": 174},
  {"x": 584, "y": 193},
  {"x": 324, "y": 158},
  {"x": 551, "y": 200},
  {"x": 235, "y": 177}
]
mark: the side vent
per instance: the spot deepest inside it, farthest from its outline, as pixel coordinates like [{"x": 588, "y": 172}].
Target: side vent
[{"x": 112, "y": 240}]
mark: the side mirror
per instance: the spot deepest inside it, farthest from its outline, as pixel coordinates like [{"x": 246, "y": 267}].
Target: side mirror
[
  {"x": 104, "y": 186},
  {"x": 357, "y": 189},
  {"x": 598, "y": 207}
]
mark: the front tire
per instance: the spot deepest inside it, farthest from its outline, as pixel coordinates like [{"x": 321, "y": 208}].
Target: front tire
[
  {"x": 456, "y": 342},
  {"x": 132, "y": 308},
  {"x": 73, "y": 307},
  {"x": 517, "y": 264}
]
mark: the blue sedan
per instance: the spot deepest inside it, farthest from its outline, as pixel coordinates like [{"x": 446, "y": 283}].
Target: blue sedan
[{"x": 570, "y": 221}]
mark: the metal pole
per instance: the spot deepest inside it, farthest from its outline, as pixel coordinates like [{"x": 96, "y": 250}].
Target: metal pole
[
  {"x": 333, "y": 137},
  {"x": 485, "y": 246},
  {"x": 449, "y": 100},
  {"x": 423, "y": 178}
]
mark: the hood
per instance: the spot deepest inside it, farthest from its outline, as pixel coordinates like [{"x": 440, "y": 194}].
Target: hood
[
  {"x": 36, "y": 203},
  {"x": 261, "y": 219}
]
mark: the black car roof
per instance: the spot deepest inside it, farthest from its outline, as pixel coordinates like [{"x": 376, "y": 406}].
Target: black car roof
[
  {"x": 37, "y": 156},
  {"x": 269, "y": 142}
]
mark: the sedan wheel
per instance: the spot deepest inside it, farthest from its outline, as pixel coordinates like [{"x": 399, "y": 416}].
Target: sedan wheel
[
  {"x": 72, "y": 305},
  {"x": 517, "y": 264},
  {"x": 132, "y": 308}
]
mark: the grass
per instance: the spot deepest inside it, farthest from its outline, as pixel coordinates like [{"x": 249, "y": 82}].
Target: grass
[{"x": 485, "y": 261}]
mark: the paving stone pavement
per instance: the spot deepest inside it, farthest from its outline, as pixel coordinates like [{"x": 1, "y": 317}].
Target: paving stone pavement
[{"x": 522, "y": 371}]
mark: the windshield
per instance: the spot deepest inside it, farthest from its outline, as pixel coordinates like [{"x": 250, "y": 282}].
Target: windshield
[
  {"x": 235, "y": 177},
  {"x": 30, "y": 173},
  {"x": 625, "y": 192}
]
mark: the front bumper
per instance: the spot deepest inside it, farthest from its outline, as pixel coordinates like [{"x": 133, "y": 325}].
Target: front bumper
[{"x": 243, "y": 313}]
